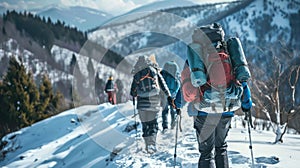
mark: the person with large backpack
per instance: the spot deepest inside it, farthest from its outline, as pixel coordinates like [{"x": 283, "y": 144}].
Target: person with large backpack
[
  {"x": 146, "y": 86},
  {"x": 111, "y": 89},
  {"x": 214, "y": 82},
  {"x": 170, "y": 73}
]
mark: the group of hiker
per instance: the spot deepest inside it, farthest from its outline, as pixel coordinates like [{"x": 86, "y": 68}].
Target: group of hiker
[{"x": 213, "y": 83}]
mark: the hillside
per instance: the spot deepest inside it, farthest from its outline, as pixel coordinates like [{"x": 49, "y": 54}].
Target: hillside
[
  {"x": 82, "y": 18},
  {"x": 269, "y": 31},
  {"x": 96, "y": 136},
  {"x": 47, "y": 47}
]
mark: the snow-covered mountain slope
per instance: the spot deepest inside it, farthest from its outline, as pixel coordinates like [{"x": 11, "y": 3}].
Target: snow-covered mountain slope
[
  {"x": 95, "y": 136},
  {"x": 82, "y": 18},
  {"x": 58, "y": 67},
  {"x": 162, "y": 4},
  {"x": 126, "y": 36}
]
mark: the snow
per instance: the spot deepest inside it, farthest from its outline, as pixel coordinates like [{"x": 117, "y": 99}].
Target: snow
[
  {"x": 61, "y": 54},
  {"x": 94, "y": 136}
]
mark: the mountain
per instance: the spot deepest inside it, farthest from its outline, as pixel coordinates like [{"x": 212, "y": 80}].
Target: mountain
[
  {"x": 161, "y": 29},
  {"x": 162, "y": 4},
  {"x": 82, "y": 18},
  {"x": 102, "y": 136},
  {"x": 268, "y": 30},
  {"x": 57, "y": 50}
]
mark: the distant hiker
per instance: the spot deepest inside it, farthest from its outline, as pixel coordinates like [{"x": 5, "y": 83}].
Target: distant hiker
[
  {"x": 170, "y": 73},
  {"x": 146, "y": 85},
  {"x": 214, "y": 82},
  {"x": 111, "y": 89}
]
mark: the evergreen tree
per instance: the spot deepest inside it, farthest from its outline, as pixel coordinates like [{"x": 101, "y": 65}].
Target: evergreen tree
[
  {"x": 91, "y": 69},
  {"x": 3, "y": 30},
  {"x": 46, "y": 95},
  {"x": 57, "y": 103},
  {"x": 19, "y": 95},
  {"x": 73, "y": 63}
]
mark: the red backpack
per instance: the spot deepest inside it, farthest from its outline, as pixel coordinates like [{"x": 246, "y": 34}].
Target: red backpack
[
  {"x": 219, "y": 70},
  {"x": 216, "y": 63}
]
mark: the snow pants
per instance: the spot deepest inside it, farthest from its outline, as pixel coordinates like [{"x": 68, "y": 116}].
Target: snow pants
[
  {"x": 149, "y": 126},
  {"x": 165, "y": 113},
  {"x": 112, "y": 97},
  {"x": 211, "y": 131}
]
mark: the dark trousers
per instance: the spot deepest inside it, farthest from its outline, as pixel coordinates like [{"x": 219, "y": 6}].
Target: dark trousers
[
  {"x": 211, "y": 133},
  {"x": 165, "y": 113},
  {"x": 149, "y": 126}
]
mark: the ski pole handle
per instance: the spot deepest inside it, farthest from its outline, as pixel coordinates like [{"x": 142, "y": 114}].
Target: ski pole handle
[{"x": 248, "y": 116}]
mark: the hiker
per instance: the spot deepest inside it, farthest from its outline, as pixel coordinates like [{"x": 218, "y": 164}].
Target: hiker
[
  {"x": 111, "y": 89},
  {"x": 214, "y": 82},
  {"x": 170, "y": 73},
  {"x": 146, "y": 85}
]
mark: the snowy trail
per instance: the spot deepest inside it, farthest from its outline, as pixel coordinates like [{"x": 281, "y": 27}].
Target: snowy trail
[
  {"x": 265, "y": 152},
  {"x": 95, "y": 136}
]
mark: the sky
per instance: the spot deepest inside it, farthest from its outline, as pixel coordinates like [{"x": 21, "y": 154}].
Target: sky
[{"x": 114, "y": 7}]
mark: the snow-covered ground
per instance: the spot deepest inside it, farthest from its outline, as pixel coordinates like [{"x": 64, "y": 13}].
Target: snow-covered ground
[{"x": 95, "y": 136}]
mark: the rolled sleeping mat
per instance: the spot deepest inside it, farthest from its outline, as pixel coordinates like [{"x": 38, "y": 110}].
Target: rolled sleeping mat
[
  {"x": 238, "y": 59},
  {"x": 197, "y": 67}
]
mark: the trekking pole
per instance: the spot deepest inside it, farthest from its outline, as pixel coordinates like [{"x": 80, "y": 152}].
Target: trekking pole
[
  {"x": 249, "y": 119},
  {"x": 176, "y": 136},
  {"x": 135, "y": 123}
]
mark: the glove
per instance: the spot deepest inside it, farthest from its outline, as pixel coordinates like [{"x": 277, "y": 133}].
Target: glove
[
  {"x": 178, "y": 111},
  {"x": 246, "y": 98},
  {"x": 171, "y": 102}
]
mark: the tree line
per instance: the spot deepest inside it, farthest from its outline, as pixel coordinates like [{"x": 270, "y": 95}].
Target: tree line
[{"x": 43, "y": 30}]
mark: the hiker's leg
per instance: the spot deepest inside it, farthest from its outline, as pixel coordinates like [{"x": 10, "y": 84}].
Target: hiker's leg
[
  {"x": 205, "y": 136},
  {"x": 164, "y": 116},
  {"x": 173, "y": 116},
  {"x": 222, "y": 129}
]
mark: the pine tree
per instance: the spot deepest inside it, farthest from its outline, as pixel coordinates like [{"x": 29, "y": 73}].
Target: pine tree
[
  {"x": 19, "y": 95},
  {"x": 57, "y": 103},
  {"x": 46, "y": 95},
  {"x": 73, "y": 63},
  {"x": 91, "y": 69}
]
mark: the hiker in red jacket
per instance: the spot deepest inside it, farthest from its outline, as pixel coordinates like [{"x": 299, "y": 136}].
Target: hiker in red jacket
[{"x": 111, "y": 89}]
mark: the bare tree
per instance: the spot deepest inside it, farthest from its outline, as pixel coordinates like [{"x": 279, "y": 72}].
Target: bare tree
[{"x": 269, "y": 103}]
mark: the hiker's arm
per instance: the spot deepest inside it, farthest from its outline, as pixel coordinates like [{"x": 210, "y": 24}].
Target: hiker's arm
[
  {"x": 178, "y": 99},
  {"x": 246, "y": 98},
  {"x": 163, "y": 85},
  {"x": 165, "y": 89},
  {"x": 133, "y": 91}
]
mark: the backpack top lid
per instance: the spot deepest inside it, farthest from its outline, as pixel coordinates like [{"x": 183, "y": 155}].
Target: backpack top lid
[
  {"x": 214, "y": 32},
  {"x": 142, "y": 63},
  {"x": 171, "y": 67}
]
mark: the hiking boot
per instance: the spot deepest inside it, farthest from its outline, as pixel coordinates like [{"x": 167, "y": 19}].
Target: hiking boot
[
  {"x": 165, "y": 129},
  {"x": 151, "y": 149}
]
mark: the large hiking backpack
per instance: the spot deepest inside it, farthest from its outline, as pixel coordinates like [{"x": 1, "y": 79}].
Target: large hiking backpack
[
  {"x": 208, "y": 58},
  {"x": 214, "y": 71},
  {"x": 146, "y": 78},
  {"x": 170, "y": 73}
]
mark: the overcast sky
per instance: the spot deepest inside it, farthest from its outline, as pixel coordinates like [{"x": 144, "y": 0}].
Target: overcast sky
[{"x": 114, "y": 7}]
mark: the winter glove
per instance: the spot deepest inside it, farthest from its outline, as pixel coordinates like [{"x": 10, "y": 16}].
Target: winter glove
[
  {"x": 171, "y": 102},
  {"x": 178, "y": 111},
  {"x": 246, "y": 98}
]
